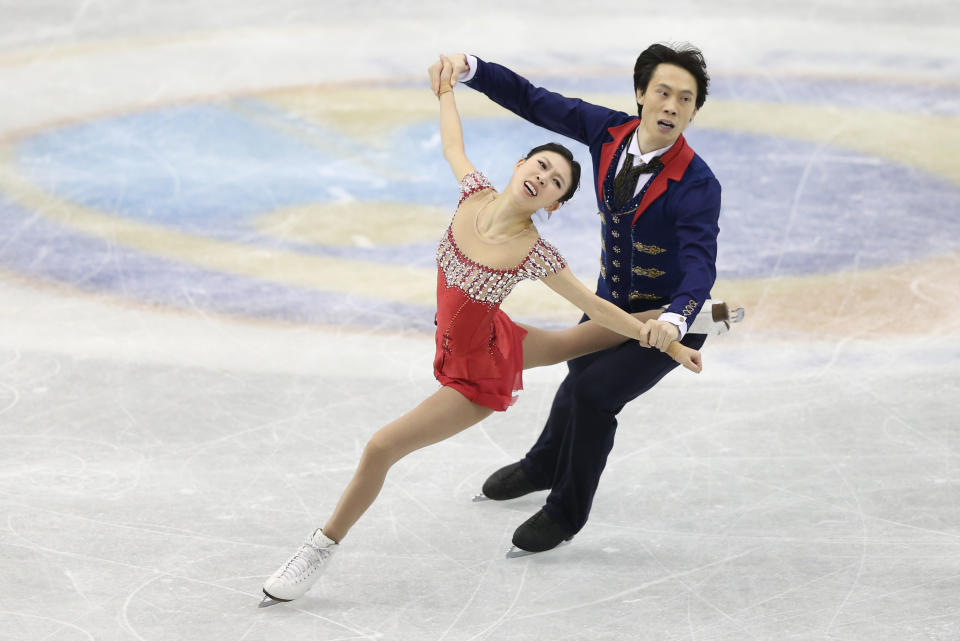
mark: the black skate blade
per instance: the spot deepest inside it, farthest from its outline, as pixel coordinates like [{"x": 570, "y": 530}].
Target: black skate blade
[{"x": 480, "y": 498}]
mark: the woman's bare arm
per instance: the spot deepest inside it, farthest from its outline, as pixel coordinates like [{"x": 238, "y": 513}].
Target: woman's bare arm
[{"x": 451, "y": 132}]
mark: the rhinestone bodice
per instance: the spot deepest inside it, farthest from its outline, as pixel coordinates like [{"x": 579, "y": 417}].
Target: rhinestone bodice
[{"x": 487, "y": 284}]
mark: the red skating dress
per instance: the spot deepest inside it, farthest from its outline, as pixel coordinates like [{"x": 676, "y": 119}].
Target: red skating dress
[{"x": 479, "y": 349}]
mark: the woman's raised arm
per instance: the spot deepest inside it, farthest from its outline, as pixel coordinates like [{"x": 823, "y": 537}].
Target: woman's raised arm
[{"x": 451, "y": 133}]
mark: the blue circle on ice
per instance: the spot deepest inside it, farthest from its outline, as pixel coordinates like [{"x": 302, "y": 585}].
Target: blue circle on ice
[{"x": 789, "y": 207}]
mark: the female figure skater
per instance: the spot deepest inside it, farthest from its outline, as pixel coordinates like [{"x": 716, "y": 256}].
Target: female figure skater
[{"x": 490, "y": 245}]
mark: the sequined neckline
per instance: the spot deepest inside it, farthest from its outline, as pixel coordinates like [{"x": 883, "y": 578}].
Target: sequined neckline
[{"x": 463, "y": 256}]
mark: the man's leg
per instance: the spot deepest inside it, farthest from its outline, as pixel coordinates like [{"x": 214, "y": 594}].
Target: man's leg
[
  {"x": 579, "y": 346},
  {"x": 536, "y": 470},
  {"x": 540, "y": 463},
  {"x": 540, "y": 347},
  {"x": 596, "y": 390}
]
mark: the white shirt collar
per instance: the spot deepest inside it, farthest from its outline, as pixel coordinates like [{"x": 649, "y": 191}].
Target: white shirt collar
[{"x": 634, "y": 149}]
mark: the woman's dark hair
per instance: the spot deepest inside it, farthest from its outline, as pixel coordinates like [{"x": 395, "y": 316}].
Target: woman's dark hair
[
  {"x": 574, "y": 166},
  {"x": 684, "y": 56}
]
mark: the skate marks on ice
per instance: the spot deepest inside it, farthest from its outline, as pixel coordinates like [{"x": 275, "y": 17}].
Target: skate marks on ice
[
  {"x": 810, "y": 492},
  {"x": 761, "y": 471}
]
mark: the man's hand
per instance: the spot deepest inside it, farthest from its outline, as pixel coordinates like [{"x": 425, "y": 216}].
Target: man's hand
[
  {"x": 659, "y": 334},
  {"x": 459, "y": 65}
]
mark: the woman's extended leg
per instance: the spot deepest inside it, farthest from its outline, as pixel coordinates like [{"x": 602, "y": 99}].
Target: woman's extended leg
[
  {"x": 440, "y": 416},
  {"x": 548, "y": 347}
]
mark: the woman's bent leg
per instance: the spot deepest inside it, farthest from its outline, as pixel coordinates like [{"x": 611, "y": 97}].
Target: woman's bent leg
[{"x": 440, "y": 416}]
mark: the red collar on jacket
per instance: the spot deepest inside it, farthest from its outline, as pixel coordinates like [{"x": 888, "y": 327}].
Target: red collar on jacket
[{"x": 675, "y": 163}]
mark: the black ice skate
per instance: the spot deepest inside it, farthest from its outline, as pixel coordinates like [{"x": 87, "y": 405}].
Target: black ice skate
[
  {"x": 509, "y": 482},
  {"x": 539, "y": 533}
]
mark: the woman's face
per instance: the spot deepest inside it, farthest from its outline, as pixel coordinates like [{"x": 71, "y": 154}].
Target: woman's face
[{"x": 541, "y": 180}]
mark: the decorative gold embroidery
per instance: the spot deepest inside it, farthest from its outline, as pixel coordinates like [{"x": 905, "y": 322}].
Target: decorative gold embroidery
[
  {"x": 643, "y": 296},
  {"x": 616, "y": 249},
  {"x": 616, "y": 263},
  {"x": 615, "y": 233},
  {"x": 691, "y": 307},
  {"x": 603, "y": 271},
  {"x": 615, "y": 294},
  {"x": 648, "y": 249},
  {"x": 614, "y": 278},
  {"x": 616, "y": 220},
  {"x": 652, "y": 272}
]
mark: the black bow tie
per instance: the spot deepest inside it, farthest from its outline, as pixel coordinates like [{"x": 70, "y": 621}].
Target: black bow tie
[{"x": 625, "y": 184}]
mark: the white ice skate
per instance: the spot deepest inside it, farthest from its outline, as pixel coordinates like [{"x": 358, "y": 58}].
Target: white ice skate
[
  {"x": 715, "y": 318},
  {"x": 301, "y": 570}
]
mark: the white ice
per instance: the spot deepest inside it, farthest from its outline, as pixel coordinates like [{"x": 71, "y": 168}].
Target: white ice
[{"x": 157, "y": 464}]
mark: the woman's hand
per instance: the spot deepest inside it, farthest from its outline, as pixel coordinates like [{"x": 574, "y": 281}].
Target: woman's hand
[
  {"x": 446, "y": 76},
  {"x": 457, "y": 63},
  {"x": 659, "y": 334},
  {"x": 689, "y": 358}
]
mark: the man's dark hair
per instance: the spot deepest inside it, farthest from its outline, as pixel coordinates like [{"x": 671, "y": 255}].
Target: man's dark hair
[
  {"x": 574, "y": 166},
  {"x": 685, "y": 56}
]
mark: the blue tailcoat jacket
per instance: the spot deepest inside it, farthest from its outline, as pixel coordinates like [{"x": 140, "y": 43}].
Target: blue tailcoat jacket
[{"x": 659, "y": 250}]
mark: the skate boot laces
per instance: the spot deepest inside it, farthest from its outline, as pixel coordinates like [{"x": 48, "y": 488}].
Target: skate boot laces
[{"x": 306, "y": 560}]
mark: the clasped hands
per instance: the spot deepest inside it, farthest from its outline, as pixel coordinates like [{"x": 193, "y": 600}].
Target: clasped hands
[
  {"x": 445, "y": 72},
  {"x": 659, "y": 334}
]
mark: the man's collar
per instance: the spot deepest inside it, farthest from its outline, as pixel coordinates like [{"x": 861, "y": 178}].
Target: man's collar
[{"x": 634, "y": 148}]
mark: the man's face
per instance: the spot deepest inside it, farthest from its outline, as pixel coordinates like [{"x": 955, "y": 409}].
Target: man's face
[{"x": 667, "y": 107}]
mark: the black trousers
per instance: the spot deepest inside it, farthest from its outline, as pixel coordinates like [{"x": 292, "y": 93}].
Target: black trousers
[{"x": 572, "y": 450}]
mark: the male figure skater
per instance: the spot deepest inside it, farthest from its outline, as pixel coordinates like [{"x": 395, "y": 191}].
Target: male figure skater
[{"x": 659, "y": 204}]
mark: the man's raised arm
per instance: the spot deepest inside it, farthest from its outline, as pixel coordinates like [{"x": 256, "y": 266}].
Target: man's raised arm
[{"x": 570, "y": 117}]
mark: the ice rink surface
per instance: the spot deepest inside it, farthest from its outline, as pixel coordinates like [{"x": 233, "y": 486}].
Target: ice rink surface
[{"x": 217, "y": 226}]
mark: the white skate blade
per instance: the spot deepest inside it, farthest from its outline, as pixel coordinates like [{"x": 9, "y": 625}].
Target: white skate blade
[
  {"x": 516, "y": 553},
  {"x": 267, "y": 601},
  {"x": 480, "y": 498}
]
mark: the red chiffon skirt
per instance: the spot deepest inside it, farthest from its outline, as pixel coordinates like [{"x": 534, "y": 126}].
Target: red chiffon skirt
[{"x": 479, "y": 349}]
